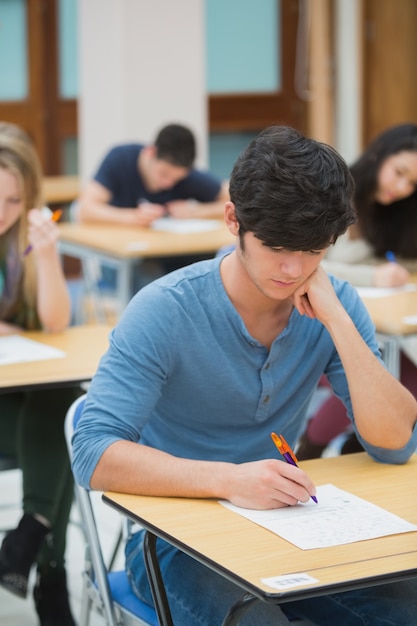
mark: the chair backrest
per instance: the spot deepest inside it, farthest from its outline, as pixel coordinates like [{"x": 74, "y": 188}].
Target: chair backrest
[{"x": 119, "y": 604}]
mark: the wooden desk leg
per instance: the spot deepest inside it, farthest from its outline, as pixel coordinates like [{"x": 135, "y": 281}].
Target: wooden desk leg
[
  {"x": 238, "y": 609},
  {"x": 155, "y": 580}
]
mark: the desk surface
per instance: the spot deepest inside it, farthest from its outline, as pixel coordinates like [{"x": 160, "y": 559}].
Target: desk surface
[
  {"x": 60, "y": 189},
  {"x": 83, "y": 345},
  {"x": 388, "y": 312},
  {"x": 245, "y": 552},
  {"x": 129, "y": 242}
]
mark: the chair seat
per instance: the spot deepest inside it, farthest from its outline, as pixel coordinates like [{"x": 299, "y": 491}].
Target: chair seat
[{"x": 123, "y": 595}]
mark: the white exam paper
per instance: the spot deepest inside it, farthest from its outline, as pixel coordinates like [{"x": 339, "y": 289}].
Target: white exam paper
[
  {"x": 17, "y": 349},
  {"x": 183, "y": 227},
  {"x": 339, "y": 517},
  {"x": 381, "y": 292},
  {"x": 410, "y": 319}
]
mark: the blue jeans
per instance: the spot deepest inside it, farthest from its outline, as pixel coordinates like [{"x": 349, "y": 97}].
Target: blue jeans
[{"x": 198, "y": 596}]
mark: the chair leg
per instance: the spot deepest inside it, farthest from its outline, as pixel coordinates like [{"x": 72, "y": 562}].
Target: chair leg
[
  {"x": 86, "y": 606},
  {"x": 115, "y": 550}
]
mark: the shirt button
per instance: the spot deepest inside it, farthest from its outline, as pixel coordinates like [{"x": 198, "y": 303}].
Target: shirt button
[
  {"x": 266, "y": 366},
  {"x": 266, "y": 399}
]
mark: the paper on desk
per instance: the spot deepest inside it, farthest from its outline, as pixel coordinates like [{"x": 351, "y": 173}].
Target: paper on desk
[
  {"x": 17, "y": 349},
  {"x": 381, "y": 292},
  {"x": 338, "y": 518},
  {"x": 410, "y": 319},
  {"x": 173, "y": 225}
]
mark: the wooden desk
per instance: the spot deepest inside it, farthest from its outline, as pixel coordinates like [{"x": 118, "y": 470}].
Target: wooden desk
[
  {"x": 60, "y": 189},
  {"x": 388, "y": 313},
  {"x": 83, "y": 345},
  {"x": 244, "y": 552},
  {"x": 124, "y": 247}
]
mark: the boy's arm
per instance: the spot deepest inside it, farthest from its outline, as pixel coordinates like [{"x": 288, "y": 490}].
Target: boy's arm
[
  {"x": 94, "y": 205},
  {"x": 385, "y": 411}
]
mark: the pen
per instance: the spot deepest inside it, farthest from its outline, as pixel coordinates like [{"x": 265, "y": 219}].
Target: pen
[
  {"x": 54, "y": 217},
  {"x": 390, "y": 256},
  {"x": 285, "y": 450}
]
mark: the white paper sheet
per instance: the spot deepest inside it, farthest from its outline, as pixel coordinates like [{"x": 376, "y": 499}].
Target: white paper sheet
[
  {"x": 382, "y": 292},
  {"x": 410, "y": 319},
  {"x": 17, "y": 349},
  {"x": 184, "y": 227},
  {"x": 340, "y": 517}
]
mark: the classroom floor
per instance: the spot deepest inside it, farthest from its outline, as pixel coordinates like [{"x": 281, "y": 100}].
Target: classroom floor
[{"x": 17, "y": 612}]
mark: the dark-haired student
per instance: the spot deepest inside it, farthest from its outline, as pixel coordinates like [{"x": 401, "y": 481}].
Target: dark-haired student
[
  {"x": 137, "y": 184},
  {"x": 208, "y": 360}
]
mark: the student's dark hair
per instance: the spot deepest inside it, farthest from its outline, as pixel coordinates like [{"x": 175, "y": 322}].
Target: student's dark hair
[
  {"x": 291, "y": 191},
  {"x": 393, "y": 226},
  {"x": 176, "y": 145}
]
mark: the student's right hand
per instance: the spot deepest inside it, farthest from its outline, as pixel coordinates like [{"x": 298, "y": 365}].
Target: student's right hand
[
  {"x": 268, "y": 484},
  {"x": 390, "y": 275},
  {"x": 147, "y": 212}
]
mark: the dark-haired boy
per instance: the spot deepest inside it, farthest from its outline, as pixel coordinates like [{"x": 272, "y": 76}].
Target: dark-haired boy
[{"x": 234, "y": 348}]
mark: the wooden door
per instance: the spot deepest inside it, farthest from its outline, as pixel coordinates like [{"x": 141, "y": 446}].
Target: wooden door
[
  {"x": 49, "y": 118},
  {"x": 390, "y": 53}
]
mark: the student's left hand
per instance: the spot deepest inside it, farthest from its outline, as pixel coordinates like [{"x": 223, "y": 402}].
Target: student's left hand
[
  {"x": 43, "y": 233},
  {"x": 316, "y": 297}
]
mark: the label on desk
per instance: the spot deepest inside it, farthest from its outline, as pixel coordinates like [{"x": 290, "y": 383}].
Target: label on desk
[{"x": 289, "y": 581}]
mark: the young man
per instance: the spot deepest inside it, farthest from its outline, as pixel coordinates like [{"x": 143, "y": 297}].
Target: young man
[
  {"x": 136, "y": 184},
  {"x": 235, "y": 346}
]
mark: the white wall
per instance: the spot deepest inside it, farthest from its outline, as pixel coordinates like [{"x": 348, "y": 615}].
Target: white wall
[
  {"x": 142, "y": 65},
  {"x": 348, "y": 77}
]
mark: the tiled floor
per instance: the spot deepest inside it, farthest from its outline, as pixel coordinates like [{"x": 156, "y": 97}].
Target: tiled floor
[{"x": 17, "y": 612}]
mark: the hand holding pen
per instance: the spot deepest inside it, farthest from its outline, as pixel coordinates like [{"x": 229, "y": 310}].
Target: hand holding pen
[
  {"x": 39, "y": 229},
  {"x": 285, "y": 450},
  {"x": 147, "y": 212},
  {"x": 390, "y": 274},
  {"x": 390, "y": 256}
]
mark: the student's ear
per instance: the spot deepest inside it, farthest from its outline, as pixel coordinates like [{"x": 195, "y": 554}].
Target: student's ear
[
  {"x": 150, "y": 151},
  {"x": 230, "y": 218}
]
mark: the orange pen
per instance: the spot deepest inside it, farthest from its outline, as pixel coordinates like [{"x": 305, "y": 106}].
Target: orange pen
[
  {"x": 284, "y": 448},
  {"x": 287, "y": 453}
]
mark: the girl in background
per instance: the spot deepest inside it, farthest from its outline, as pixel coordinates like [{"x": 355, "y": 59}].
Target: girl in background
[
  {"x": 386, "y": 203},
  {"x": 33, "y": 295}
]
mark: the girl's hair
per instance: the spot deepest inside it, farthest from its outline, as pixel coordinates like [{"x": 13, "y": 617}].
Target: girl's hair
[
  {"x": 386, "y": 227},
  {"x": 18, "y": 156}
]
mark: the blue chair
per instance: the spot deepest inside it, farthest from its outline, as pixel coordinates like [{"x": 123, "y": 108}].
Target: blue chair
[{"x": 109, "y": 593}]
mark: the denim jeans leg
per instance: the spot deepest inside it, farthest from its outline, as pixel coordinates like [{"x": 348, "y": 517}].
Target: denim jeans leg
[
  {"x": 393, "y": 604},
  {"x": 197, "y": 596}
]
